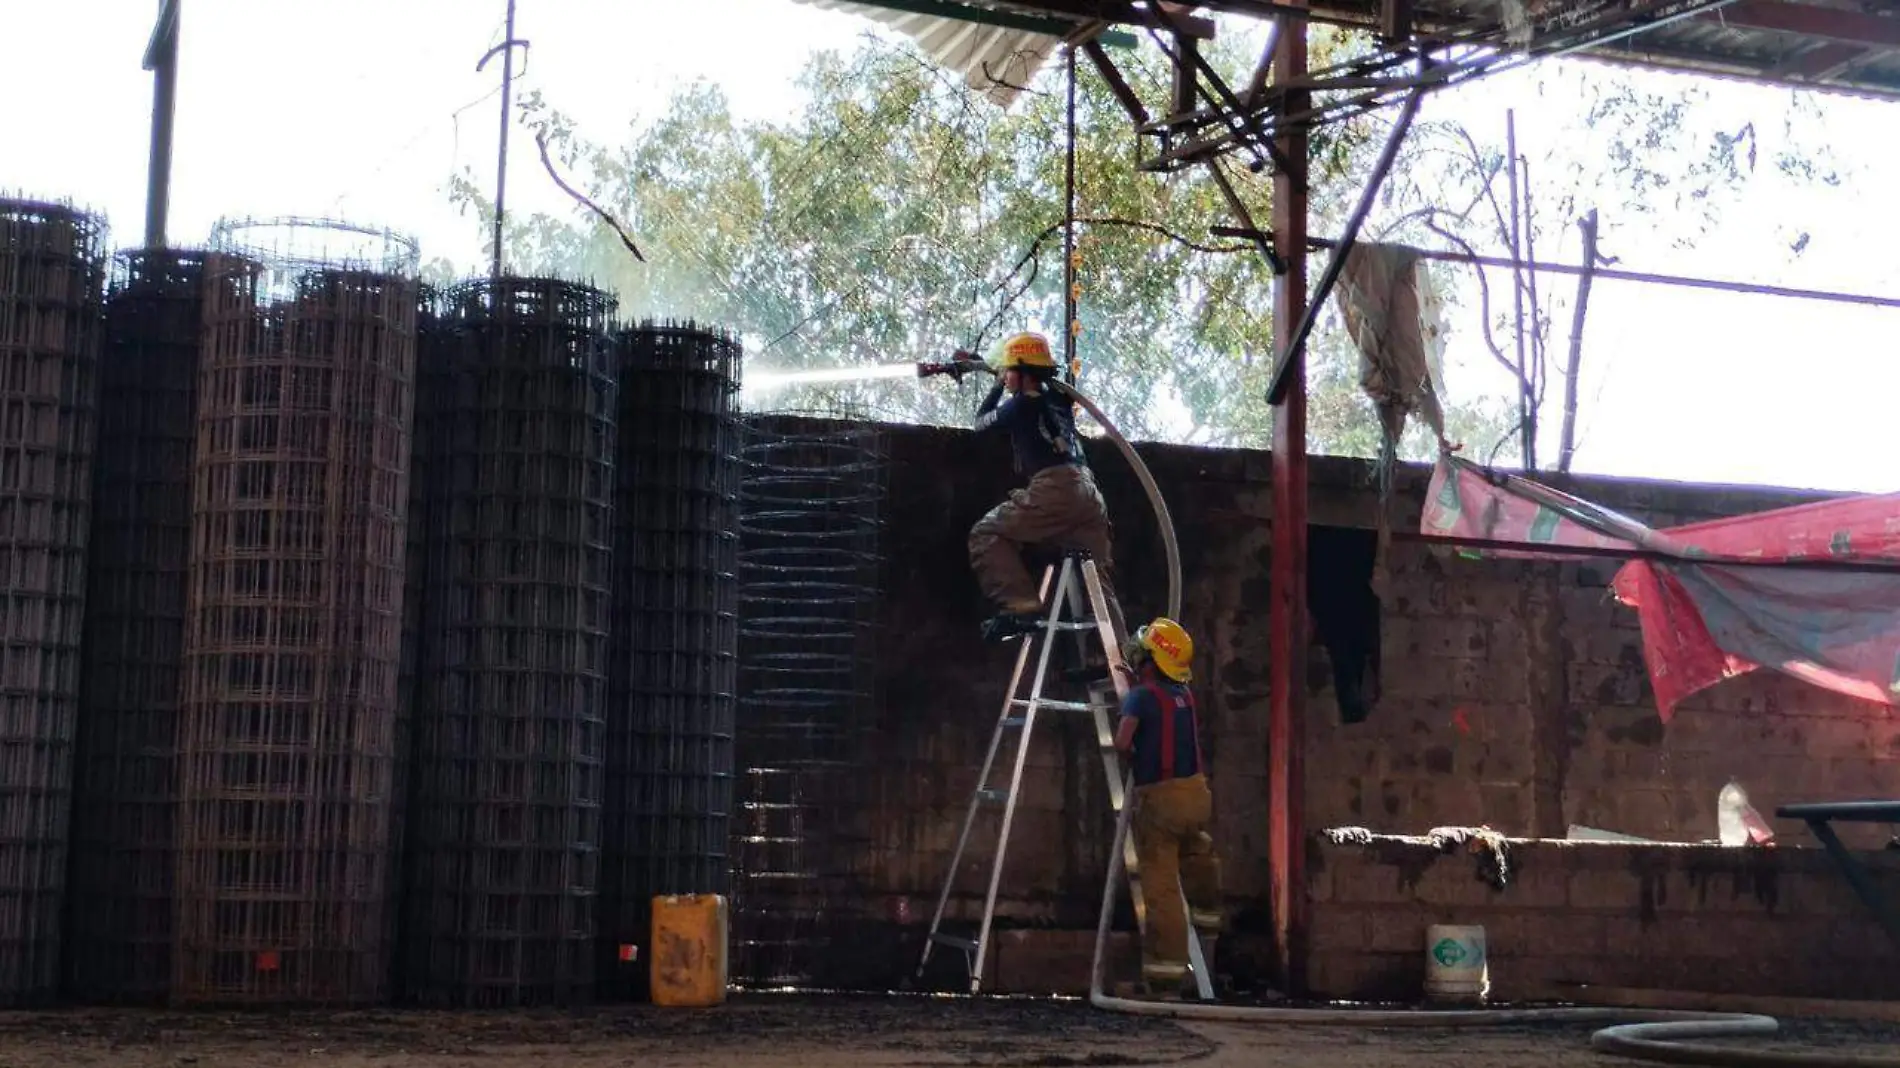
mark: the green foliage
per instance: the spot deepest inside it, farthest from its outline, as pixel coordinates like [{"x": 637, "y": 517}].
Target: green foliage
[{"x": 888, "y": 222}]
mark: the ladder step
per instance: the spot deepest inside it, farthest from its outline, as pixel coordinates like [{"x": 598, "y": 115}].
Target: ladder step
[
  {"x": 1059, "y": 706},
  {"x": 993, "y": 795},
  {"x": 1014, "y": 721},
  {"x": 968, "y": 945}
]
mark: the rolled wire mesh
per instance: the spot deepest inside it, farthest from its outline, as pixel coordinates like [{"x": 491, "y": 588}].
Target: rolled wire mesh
[
  {"x": 293, "y": 627},
  {"x": 52, "y": 269},
  {"x": 125, "y": 809},
  {"x": 511, "y": 685},
  {"x": 670, "y": 730},
  {"x": 809, "y": 593}
]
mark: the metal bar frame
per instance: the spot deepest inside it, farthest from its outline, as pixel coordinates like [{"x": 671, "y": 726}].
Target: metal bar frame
[
  {"x": 1483, "y": 53},
  {"x": 1190, "y": 67},
  {"x": 1819, "y": 819},
  {"x": 1601, "y": 274}
]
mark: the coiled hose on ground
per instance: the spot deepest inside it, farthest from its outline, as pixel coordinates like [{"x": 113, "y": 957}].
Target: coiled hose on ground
[{"x": 1661, "y": 1035}]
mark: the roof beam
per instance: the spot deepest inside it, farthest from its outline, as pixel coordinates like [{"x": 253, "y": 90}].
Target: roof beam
[
  {"x": 1823, "y": 62},
  {"x": 1805, "y": 20}
]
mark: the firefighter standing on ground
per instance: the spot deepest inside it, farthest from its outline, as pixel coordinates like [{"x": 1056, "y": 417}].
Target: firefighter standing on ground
[
  {"x": 1160, "y": 733},
  {"x": 1060, "y": 506}
]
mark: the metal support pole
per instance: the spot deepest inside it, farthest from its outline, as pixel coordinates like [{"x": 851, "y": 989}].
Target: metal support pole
[
  {"x": 1286, "y": 655},
  {"x": 161, "y": 58},
  {"x": 501, "y": 158},
  {"x": 1070, "y": 324}
]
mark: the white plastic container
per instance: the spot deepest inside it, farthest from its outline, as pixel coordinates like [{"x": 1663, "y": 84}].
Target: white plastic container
[{"x": 1456, "y": 970}]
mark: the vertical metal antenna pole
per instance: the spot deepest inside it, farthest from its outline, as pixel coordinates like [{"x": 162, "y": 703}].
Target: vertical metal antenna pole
[
  {"x": 161, "y": 58},
  {"x": 1069, "y": 273},
  {"x": 501, "y": 160}
]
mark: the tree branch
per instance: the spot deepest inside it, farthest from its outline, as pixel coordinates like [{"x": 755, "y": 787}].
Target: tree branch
[{"x": 1567, "y": 448}]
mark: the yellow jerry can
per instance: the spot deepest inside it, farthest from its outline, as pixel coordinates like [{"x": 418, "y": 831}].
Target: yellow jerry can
[{"x": 689, "y": 950}]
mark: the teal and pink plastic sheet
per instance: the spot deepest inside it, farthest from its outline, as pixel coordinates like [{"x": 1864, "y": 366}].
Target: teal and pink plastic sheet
[{"x": 1711, "y": 603}]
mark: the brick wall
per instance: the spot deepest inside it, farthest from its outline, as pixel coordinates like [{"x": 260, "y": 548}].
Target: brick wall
[
  {"x": 1780, "y": 922},
  {"x": 1515, "y": 696}
]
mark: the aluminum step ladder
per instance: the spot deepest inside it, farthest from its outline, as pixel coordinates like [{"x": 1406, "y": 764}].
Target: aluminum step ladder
[{"x": 1079, "y": 608}]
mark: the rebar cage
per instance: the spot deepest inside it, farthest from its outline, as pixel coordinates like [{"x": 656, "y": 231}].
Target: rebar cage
[
  {"x": 125, "y": 810},
  {"x": 293, "y": 625},
  {"x": 675, "y": 644},
  {"x": 519, "y": 425},
  {"x": 809, "y": 596},
  {"x": 52, "y": 270}
]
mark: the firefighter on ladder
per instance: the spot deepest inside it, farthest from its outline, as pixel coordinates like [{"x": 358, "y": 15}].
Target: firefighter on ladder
[
  {"x": 1060, "y": 507},
  {"x": 1161, "y": 736}
]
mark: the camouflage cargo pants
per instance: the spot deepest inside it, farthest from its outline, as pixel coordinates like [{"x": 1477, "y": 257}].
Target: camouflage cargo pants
[{"x": 1060, "y": 508}]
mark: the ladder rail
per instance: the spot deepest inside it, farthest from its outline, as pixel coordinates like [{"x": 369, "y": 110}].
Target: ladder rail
[
  {"x": 1016, "y": 778},
  {"x": 976, "y": 798}
]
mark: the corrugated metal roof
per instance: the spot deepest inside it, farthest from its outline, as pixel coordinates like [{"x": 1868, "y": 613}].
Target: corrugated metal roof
[
  {"x": 1848, "y": 46},
  {"x": 1717, "y": 45},
  {"x": 993, "y": 60}
]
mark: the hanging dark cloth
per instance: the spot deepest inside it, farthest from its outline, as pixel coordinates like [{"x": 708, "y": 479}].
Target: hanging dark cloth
[{"x": 1345, "y": 611}]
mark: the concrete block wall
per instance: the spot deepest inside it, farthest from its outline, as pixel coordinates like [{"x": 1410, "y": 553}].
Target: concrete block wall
[
  {"x": 1514, "y": 693},
  {"x": 1777, "y": 922}
]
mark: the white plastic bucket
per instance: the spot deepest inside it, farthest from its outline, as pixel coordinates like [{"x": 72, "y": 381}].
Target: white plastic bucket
[{"x": 1455, "y": 965}]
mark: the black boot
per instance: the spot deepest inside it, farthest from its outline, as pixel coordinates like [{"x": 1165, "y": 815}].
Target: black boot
[{"x": 1006, "y": 625}]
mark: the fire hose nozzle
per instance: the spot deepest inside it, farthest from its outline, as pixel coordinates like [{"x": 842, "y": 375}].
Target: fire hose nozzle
[{"x": 956, "y": 367}]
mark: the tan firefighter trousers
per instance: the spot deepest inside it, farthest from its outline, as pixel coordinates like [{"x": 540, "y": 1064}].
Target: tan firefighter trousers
[
  {"x": 1176, "y": 854},
  {"x": 1060, "y": 508}
]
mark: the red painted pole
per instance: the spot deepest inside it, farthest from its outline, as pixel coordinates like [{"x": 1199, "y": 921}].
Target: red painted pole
[{"x": 1286, "y": 779}]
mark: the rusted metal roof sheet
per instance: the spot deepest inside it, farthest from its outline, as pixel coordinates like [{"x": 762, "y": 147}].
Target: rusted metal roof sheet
[{"x": 996, "y": 61}]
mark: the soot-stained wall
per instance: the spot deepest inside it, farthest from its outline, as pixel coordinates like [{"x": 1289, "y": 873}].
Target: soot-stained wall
[{"x": 1514, "y": 694}]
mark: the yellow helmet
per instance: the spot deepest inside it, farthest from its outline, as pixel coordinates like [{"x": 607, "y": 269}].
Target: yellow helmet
[
  {"x": 1170, "y": 646},
  {"x": 1027, "y": 351}
]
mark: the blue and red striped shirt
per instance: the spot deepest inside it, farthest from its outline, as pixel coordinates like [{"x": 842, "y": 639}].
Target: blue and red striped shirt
[{"x": 1167, "y": 743}]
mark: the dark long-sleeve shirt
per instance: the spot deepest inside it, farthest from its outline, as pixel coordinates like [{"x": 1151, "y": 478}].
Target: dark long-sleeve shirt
[{"x": 1041, "y": 428}]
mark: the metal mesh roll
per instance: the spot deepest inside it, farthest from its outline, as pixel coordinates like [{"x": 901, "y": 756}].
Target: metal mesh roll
[
  {"x": 293, "y": 630},
  {"x": 434, "y": 343},
  {"x": 809, "y": 593},
  {"x": 670, "y": 731},
  {"x": 52, "y": 269},
  {"x": 125, "y": 812},
  {"x": 504, "y": 829}
]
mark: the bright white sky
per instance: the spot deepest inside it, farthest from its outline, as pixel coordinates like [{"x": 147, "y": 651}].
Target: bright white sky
[{"x": 344, "y": 108}]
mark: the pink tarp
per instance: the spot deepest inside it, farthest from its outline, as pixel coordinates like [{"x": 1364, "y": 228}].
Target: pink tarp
[{"x": 1704, "y": 619}]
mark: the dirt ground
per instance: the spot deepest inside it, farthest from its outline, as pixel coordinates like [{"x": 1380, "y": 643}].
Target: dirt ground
[{"x": 797, "y": 1032}]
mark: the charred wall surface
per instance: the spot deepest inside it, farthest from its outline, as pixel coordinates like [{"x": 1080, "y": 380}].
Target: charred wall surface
[{"x": 1513, "y": 695}]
